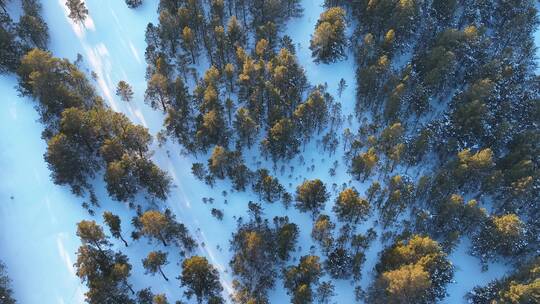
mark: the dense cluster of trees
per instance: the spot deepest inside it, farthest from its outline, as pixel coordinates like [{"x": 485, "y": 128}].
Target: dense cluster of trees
[
  {"x": 444, "y": 79},
  {"x": 84, "y": 135},
  {"x": 431, "y": 81},
  {"x": 106, "y": 272},
  {"x": 17, "y": 38},
  {"x": 85, "y": 138},
  {"x": 411, "y": 271},
  {"x": 447, "y": 100},
  {"x": 329, "y": 43},
  {"x": 249, "y": 88},
  {"x": 521, "y": 286},
  {"x": 258, "y": 250}
]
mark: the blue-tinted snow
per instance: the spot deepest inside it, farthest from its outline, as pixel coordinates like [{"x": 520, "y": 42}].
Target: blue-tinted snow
[{"x": 37, "y": 225}]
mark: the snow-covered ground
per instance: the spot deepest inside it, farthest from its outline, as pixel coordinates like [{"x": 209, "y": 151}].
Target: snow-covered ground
[{"x": 37, "y": 218}]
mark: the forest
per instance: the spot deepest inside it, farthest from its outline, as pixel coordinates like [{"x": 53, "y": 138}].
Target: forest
[{"x": 361, "y": 159}]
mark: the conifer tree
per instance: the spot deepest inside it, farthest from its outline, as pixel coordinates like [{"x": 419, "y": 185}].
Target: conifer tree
[
  {"x": 267, "y": 186},
  {"x": 300, "y": 280},
  {"x": 201, "y": 280},
  {"x": 160, "y": 299},
  {"x": 415, "y": 270},
  {"x": 154, "y": 261},
  {"x": 311, "y": 196},
  {"x": 77, "y": 10},
  {"x": 32, "y": 29},
  {"x": 286, "y": 237},
  {"x": 521, "y": 286},
  {"x": 281, "y": 141},
  {"x": 164, "y": 228},
  {"x": 322, "y": 232},
  {"x": 10, "y": 47},
  {"x": 363, "y": 164},
  {"x": 328, "y": 42},
  {"x": 6, "y": 294},
  {"x": 500, "y": 236},
  {"x": 113, "y": 221},
  {"x": 134, "y": 3},
  {"x": 104, "y": 271},
  {"x": 350, "y": 206},
  {"x": 246, "y": 127},
  {"x": 123, "y": 89}
]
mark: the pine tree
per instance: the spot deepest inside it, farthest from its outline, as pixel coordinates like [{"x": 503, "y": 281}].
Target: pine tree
[
  {"x": 179, "y": 120},
  {"x": 328, "y": 42},
  {"x": 281, "y": 141},
  {"x": 500, "y": 236},
  {"x": 521, "y": 286},
  {"x": 160, "y": 299},
  {"x": 286, "y": 237},
  {"x": 134, "y": 3},
  {"x": 312, "y": 115},
  {"x": 350, "y": 206},
  {"x": 10, "y": 47},
  {"x": 300, "y": 280},
  {"x": 267, "y": 186},
  {"x": 104, "y": 271},
  {"x": 201, "y": 280},
  {"x": 245, "y": 127},
  {"x": 311, "y": 196},
  {"x": 322, "y": 232},
  {"x": 219, "y": 162},
  {"x": 190, "y": 44},
  {"x": 32, "y": 29},
  {"x": 77, "y": 10},
  {"x": 157, "y": 92},
  {"x": 113, "y": 221},
  {"x": 6, "y": 294},
  {"x": 407, "y": 283},
  {"x": 339, "y": 264},
  {"x": 164, "y": 228},
  {"x": 123, "y": 89},
  {"x": 363, "y": 164},
  {"x": 91, "y": 233},
  {"x": 415, "y": 270},
  {"x": 342, "y": 85},
  {"x": 154, "y": 261}
]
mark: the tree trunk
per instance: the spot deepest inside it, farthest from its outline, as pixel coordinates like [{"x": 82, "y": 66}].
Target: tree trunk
[
  {"x": 130, "y": 288},
  {"x": 163, "y": 104},
  {"x": 125, "y": 243},
  {"x": 192, "y": 55},
  {"x": 161, "y": 271},
  {"x": 162, "y": 240}
]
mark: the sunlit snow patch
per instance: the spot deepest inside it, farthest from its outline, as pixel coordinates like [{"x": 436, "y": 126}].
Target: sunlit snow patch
[{"x": 135, "y": 52}]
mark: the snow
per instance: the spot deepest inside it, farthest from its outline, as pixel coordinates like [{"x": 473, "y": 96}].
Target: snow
[
  {"x": 468, "y": 273},
  {"x": 37, "y": 226},
  {"x": 38, "y": 217}
]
